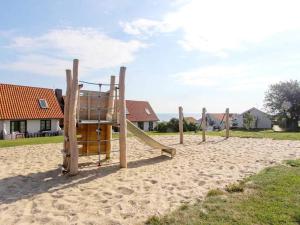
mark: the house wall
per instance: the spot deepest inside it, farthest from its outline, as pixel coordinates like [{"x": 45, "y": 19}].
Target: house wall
[
  {"x": 263, "y": 121},
  {"x": 146, "y": 125},
  {"x": 32, "y": 127}
]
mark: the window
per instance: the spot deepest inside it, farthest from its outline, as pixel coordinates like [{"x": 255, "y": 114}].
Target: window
[
  {"x": 150, "y": 126},
  {"x": 45, "y": 125},
  {"x": 141, "y": 125},
  {"x": 147, "y": 111},
  {"x": 18, "y": 126},
  {"x": 43, "y": 103},
  {"x": 127, "y": 112}
]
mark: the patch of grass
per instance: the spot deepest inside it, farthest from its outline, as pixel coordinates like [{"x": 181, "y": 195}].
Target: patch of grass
[
  {"x": 234, "y": 187},
  {"x": 293, "y": 163},
  {"x": 31, "y": 141},
  {"x": 258, "y": 134},
  {"x": 274, "y": 200},
  {"x": 215, "y": 192}
]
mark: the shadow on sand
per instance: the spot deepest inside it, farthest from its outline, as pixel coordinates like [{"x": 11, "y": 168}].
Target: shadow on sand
[{"x": 20, "y": 187}]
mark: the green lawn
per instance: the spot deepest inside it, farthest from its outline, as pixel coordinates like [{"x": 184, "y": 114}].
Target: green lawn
[
  {"x": 31, "y": 141},
  {"x": 270, "y": 197},
  {"x": 259, "y": 134},
  {"x": 243, "y": 134}
]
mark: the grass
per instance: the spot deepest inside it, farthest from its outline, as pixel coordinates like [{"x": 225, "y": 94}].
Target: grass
[
  {"x": 270, "y": 197},
  {"x": 259, "y": 134},
  {"x": 244, "y": 134},
  {"x": 233, "y": 133},
  {"x": 31, "y": 141}
]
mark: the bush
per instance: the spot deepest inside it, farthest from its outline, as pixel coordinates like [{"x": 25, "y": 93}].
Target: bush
[{"x": 162, "y": 127}]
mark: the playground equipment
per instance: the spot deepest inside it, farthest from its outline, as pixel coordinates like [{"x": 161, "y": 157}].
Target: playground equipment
[
  {"x": 203, "y": 124},
  {"x": 90, "y": 115}
]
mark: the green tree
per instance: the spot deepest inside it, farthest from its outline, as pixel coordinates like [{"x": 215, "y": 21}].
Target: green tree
[
  {"x": 248, "y": 120},
  {"x": 283, "y": 100}
]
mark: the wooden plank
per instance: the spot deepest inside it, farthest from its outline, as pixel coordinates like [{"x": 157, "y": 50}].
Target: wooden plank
[
  {"x": 110, "y": 103},
  {"x": 122, "y": 118},
  {"x": 181, "y": 125},
  {"x": 203, "y": 124},
  {"x": 227, "y": 123}
]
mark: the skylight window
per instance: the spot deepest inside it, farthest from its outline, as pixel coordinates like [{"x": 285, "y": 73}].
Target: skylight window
[
  {"x": 43, "y": 103},
  {"x": 147, "y": 111}
]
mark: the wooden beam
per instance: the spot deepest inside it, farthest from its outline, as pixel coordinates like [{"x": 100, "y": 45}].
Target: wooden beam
[
  {"x": 66, "y": 121},
  {"x": 203, "y": 124},
  {"x": 109, "y": 115},
  {"x": 181, "y": 124},
  {"x": 72, "y": 120},
  {"x": 227, "y": 123},
  {"x": 122, "y": 119},
  {"x": 111, "y": 98}
]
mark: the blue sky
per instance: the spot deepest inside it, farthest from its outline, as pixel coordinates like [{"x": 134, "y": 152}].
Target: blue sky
[{"x": 194, "y": 53}]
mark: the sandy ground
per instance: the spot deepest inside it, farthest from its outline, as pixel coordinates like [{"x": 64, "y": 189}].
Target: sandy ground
[{"x": 32, "y": 191}]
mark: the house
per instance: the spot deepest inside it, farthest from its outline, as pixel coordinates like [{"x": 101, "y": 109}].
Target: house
[
  {"x": 141, "y": 114},
  {"x": 261, "y": 120},
  {"x": 190, "y": 119},
  {"x": 217, "y": 121},
  {"x": 28, "y": 110}
]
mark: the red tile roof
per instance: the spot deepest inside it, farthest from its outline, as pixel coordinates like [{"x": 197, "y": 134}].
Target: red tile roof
[
  {"x": 137, "y": 111},
  {"x": 22, "y": 102}
]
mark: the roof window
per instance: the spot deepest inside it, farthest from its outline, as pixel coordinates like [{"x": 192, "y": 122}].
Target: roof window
[
  {"x": 147, "y": 111},
  {"x": 43, "y": 103}
]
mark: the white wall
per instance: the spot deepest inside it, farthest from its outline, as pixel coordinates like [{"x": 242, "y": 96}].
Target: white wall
[
  {"x": 33, "y": 126},
  {"x": 55, "y": 125}
]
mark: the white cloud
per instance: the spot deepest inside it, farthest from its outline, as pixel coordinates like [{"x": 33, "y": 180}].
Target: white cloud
[
  {"x": 51, "y": 52},
  {"x": 218, "y": 26},
  {"x": 227, "y": 78}
]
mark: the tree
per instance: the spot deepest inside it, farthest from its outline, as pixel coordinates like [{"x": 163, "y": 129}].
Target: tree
[
  {"x": 283, "y": 100},
  {"x": 248, "y": 120}
]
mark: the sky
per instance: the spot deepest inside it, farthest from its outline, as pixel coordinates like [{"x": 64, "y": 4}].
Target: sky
[{"x": 191, "y": 53}]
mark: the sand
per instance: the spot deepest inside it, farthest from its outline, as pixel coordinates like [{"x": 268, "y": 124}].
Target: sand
[{"x": 32, "y": 191}]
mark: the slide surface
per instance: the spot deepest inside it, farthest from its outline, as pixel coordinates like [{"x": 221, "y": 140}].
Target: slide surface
[{"x": 141, "y": 135}]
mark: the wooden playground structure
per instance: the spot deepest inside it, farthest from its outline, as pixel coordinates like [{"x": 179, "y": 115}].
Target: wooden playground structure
[
  {"x": 203, "y": 124},
  {"x": 90, "y": 115}
]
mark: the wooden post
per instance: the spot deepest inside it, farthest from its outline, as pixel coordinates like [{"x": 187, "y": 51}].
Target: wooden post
[
  {"x": 72, "y": 120},
  {"x": 122, "y": 116},
  {"x": 66, "y": 121},
  {"x": 181, "y": 124},
  {"x": 227, "y": 123},
  {"x": 203, "y": 124},
  {"x": 109, "y": 116}
]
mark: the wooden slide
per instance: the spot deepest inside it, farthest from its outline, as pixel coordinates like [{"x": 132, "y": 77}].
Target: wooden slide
[{"x": 141, "y": 135}]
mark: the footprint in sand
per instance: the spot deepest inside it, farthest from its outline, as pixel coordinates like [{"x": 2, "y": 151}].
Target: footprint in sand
[
  {"x": 201, "y": 183},
  {"x": 125, "y": 190}
]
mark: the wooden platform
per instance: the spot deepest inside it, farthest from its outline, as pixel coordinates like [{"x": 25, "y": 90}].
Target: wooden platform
[{"x": 88, "y": 139}]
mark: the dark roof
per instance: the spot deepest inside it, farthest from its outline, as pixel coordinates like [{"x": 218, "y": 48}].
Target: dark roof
[
  {"x": 22, "y": 102},
  {"x": 140, "y": 111}
]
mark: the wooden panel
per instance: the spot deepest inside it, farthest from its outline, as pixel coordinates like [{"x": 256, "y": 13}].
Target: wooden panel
[
  {"x": 87, "y": 139},
  {"x": 90, "y": 104}
]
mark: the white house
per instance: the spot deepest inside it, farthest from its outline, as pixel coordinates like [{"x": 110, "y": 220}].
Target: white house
[
  {"x": 27, "y": 111},
  {"x": 141, "y": 114},
  {"x": 261, "y": 120}
]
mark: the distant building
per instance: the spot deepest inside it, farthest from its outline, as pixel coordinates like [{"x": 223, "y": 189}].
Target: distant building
[
  {"x": 261, "y": 120},
  {"x": 190, "y": 119},
  {"x": 141, "y": 114},
  {"x": 25, "y": 111}
]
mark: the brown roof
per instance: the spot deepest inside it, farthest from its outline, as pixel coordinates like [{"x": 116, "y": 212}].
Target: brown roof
[
  {"x": 137, "y": 111},
  {"x": 190, "y": 119},
  {"x": 22, "y": 102},
  {"x": 219, "y": 116}
]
